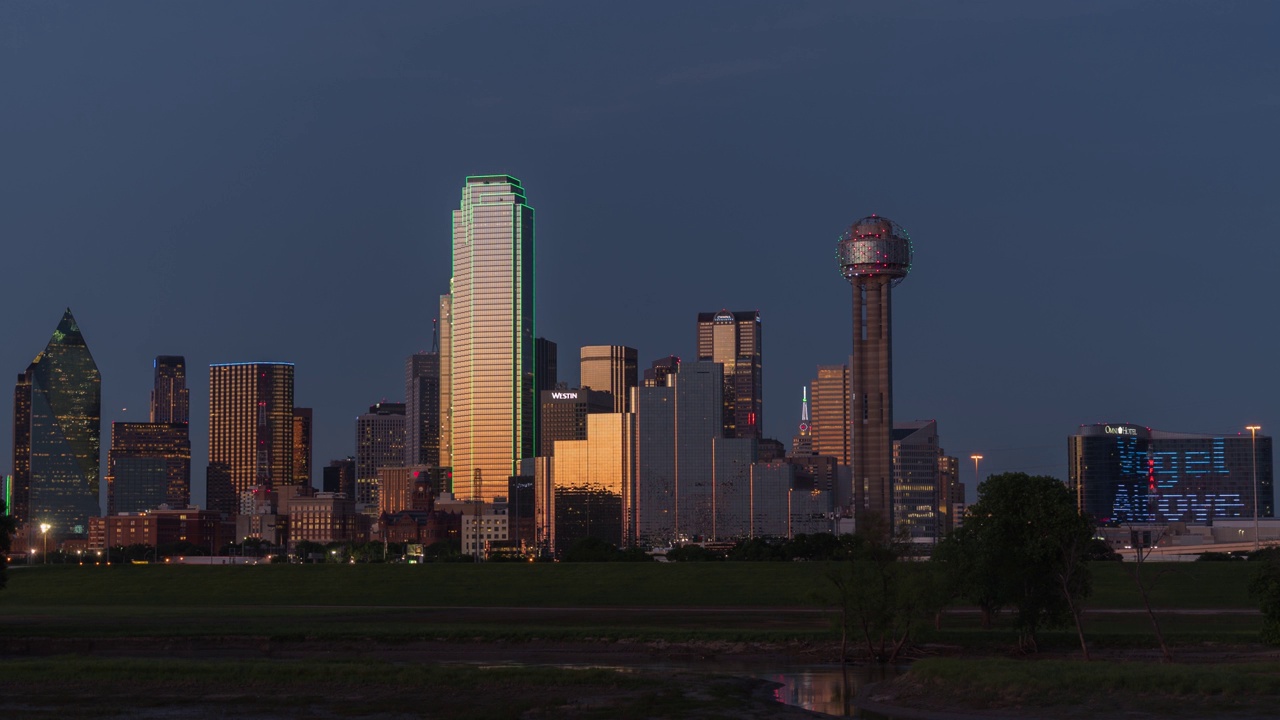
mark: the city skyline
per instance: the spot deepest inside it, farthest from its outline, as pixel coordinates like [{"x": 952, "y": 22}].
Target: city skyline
[{"x": 1007, "y": 337}]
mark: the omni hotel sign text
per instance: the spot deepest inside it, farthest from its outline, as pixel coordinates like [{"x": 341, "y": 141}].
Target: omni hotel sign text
[{"x": 1120, "y": 430}]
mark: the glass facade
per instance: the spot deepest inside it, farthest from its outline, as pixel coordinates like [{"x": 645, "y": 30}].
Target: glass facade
[
  {"x": 491, "y": 337},
  {"x": 1123, "y": 473},
  {"x": 302, "y": 420},
  {"x": 564, "y": 415},
  {"x": 732, "y": 496},
  {"x": 250, "y": 430},
  {"x": 592, "y": 478},
  {"x": 675, "y": 470},
  {"x": 917, "y": 480},
  {"x": 610, "y": 368},
  {"x": 446, "y": 381},
  {"x": 379, "y": 444},
  {"x": 830, "y": 412},
  {"x": 734, "y": 340},
  {"x": 57, "y": 434},
  {"x": 140, "y": 453},
  {"x": 422, "y": 409},
  {"x": 170, "y": 398}
]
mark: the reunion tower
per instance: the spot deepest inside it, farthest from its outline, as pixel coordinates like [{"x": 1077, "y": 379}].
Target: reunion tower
[{"x": 874, "y": 255}]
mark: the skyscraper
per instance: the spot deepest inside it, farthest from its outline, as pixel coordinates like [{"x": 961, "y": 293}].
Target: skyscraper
[
  {"x": 446, "y": 380},
  {"x": 148, "y": 465},
  {"x": 656, "y": 374},
  {"x": 57, "y": 432},
  {"x": 564, "y": 414},
  {"x": 734, "y": 340},
  {"x": 611, "y": 368},
  {"x": 170, "y": 398},
  {"x": 302, "y": 423},
  {"x": 592, "y": 481},
  {"x": 918, "y": 484},
  {"x": 546, "y": 374},
  {"x": 379, "y": 443},
  {"x": 1123, "y": 473},
  {"x": 675, "y": 465},
  {"x": 830, "y": 412},
  {"x": 422, "y": 409},
  {"x": 250, "y": 430},
  {"x": 802, "y": 441},
  {"x": 874, "y": 255},
  {"x": 491, "y": 336}
]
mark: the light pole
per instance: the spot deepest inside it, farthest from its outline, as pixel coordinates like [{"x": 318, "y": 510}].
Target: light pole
[
  {"x": 1253, "y": 434},
  {"x": 44, "y": 535},
  {"x": 976, "y": 477}
]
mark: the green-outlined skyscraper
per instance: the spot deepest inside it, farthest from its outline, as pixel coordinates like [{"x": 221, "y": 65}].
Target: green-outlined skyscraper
[
  {"x": 491, "y": 337},
  {"x": 57, "y": 434}
]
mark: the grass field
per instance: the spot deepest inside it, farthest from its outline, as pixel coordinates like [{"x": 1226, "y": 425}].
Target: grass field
[
  {"x": 1069, "y": 689},
  {"x": 71, "y": 687},
  {"x": 1174, "y": 585},
  {"x": 734, "y": 602}
]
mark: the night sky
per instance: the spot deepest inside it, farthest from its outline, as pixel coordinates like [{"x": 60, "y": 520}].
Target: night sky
[{"x": 1091, "y": 188}]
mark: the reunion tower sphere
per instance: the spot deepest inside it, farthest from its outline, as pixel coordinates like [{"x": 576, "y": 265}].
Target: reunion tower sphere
[{"x": 874, "y": 246}]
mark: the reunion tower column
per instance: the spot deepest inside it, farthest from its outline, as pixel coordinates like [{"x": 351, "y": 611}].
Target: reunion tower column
[{"x": 874, "y": 255}]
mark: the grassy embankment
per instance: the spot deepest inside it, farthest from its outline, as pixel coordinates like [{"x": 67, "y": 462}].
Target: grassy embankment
[
  {"x": 727, "y": 601},
  {"x": 1072, "y": 689},
  {"x": 71, "y": 687}
]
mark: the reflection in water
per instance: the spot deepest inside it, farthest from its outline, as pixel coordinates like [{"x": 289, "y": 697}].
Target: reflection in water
[{"x": 823, "y": 689}]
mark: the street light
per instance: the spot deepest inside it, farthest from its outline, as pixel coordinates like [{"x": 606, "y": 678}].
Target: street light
[
  {"x": 976, "y": 477},
  {"x": 1253, "y": 434},
  {"x": 44, "y": 534}
]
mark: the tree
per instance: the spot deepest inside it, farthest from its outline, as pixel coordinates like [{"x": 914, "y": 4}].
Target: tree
[
  {"x": 7, "y": 528},
  {"x": 1143, "y": 545},
  {"x": 1023, "y": 545},
  {"x": 1265, "y": 586},
  {"x": 879, "y": 597}
]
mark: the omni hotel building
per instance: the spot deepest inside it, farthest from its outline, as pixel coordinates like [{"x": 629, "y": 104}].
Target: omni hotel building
[{"x": 1124, "y": 473}]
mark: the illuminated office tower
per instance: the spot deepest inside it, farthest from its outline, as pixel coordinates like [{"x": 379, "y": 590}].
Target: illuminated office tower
[
  {"x": 57, "y": 429},
  {"x": 874, "y": 255},
  {"x": 829, "y": 412},
  {"x": 302, "y": 422},
  {"x": 1123, "y": 473},
  {"x": 656, "y": 374},
  {"x": 592, "y": 482},
  {"x": 734, "y": 340},
  {"x": 918, "y": 484},
  {"x": 491, "y": 337},
  {"x": 148, "y": 465},
  {"x": 951, "y": 492},
  {"x": 250, "y": 430},
  {"x": 170, "y": 398},
  {"x": 379, "y": 443},
  {"x": 422, "y": 409},
  {"x": 446, "y": 381},
  {"x": 611, "y": 368},
  {"x": 564, "y": 414}
]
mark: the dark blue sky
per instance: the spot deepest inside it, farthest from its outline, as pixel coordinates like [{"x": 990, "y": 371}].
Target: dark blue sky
[{"x": 1091, "y": 186}]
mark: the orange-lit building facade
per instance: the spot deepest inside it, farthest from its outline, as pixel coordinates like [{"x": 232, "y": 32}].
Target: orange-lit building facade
[
  {"x": 250, "y": 430},
  {"x": 491, "y": 337}
]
